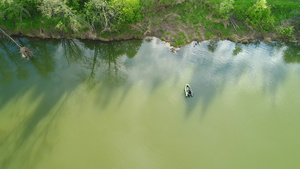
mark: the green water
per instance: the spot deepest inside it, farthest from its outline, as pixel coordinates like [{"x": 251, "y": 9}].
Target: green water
[{"x": 120, "y": 105}]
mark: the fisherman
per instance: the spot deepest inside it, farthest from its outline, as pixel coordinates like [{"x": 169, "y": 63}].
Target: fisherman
[{"x": 189, "y": 91}]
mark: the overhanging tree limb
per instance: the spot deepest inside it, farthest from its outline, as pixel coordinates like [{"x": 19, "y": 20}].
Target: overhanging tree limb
[
  {"x": 26, "y": 52},
  {"x": 10, "y": 37}
]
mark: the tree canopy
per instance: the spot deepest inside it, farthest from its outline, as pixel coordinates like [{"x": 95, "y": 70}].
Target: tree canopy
[
  {"x": 75, "y": 14},
  {"x": 115, "y": 16}
]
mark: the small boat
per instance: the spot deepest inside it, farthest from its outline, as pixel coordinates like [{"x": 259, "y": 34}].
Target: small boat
[{"x": 188, "y": 91}]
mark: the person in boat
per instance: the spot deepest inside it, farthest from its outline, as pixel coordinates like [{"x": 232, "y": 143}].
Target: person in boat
[{"x": 189, "y": 91}]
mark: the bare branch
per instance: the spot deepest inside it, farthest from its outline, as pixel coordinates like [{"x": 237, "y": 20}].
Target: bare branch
[
  {"x": 9, "y": 37},
  {"x": 26, "y": 52}
]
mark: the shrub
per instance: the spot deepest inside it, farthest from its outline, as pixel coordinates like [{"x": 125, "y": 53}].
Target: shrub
[
  {"x": 259, "y": 15},
  {"x": 286, "y": 31}
]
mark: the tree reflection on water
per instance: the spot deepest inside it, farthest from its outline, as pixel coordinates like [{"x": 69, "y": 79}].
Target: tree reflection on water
[
  {"x": 104, "y": 60},
  {"x": 10, "y": 63},
  {"x": 292, "y": 53}
]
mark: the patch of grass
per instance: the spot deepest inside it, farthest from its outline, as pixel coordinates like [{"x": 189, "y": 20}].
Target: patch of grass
[
  {"x": 180, "y": 39},
  {"x": 217, "y": 26},
  {"x": 208, "y": 35},
  {"x": 225, "y": 32}
]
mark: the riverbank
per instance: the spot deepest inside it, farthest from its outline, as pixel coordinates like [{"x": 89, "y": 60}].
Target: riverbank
[
  {"x": 177, "y": 25},
  {"x": 175, "y": 36}
]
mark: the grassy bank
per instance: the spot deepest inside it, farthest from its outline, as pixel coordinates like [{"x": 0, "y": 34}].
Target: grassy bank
[
  {"x": 176, "y": 21},
  {"x": 191, "y": 21}
]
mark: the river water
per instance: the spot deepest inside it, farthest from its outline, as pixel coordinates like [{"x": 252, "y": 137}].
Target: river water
[{"x": 120, "y": 105}]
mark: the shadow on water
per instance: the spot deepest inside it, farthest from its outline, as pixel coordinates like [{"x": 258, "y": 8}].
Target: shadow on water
[
  {"x": 28, "y": 141},
  {"x": 96, "y": 64},
  {"x": 15, "y": 68},
  {"x": 12, "y": 67},
  {"x": 50, "y": 93},
  {"x": 10, "y": 63}
]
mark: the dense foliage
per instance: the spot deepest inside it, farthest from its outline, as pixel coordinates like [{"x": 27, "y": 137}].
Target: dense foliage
[
  {"x": 76, "y": 15},
  {"x": 259, "y": 15},
  {"x": 113, "y": 15}
]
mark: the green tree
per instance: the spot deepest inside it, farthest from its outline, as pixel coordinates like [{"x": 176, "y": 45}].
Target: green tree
[
  {"x": 259, "y": 15},
  {"x": 69, "y": 18},
  {"x": 101, "y": 13},
  {"x": 13, "y": 10},
  {"x": 111, "y": 15}
]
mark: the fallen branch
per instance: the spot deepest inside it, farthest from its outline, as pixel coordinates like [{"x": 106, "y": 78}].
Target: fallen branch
[
  {"x": 233, "y": 24},
  {"x": 26, "y": 52}
]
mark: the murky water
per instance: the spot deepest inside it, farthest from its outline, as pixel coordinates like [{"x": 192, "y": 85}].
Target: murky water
[{"x": 120, "y": 105}]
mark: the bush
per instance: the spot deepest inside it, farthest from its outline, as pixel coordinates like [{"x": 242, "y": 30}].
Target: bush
[
  {"x": 286, "y": 31},
  {"x": 259, "y": 15}
]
